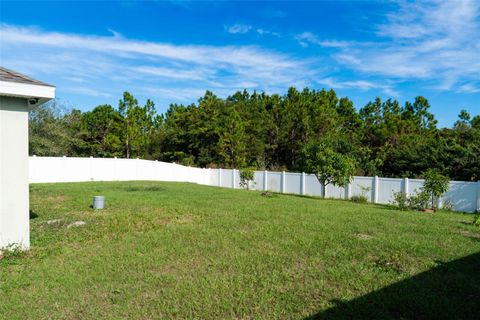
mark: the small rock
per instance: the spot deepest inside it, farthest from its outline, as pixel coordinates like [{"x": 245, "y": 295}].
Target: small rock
[
  {"x": 54, "y": 221},
  {"x": 266, "y": 194},
  {"x": 77, "y": 224}
]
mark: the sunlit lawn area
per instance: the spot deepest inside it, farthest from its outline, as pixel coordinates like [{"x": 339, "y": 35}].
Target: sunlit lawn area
[{"x": 175, "y": 250}]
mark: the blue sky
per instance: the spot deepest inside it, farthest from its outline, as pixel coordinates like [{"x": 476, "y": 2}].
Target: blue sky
[{"x": 172, "y": 51}]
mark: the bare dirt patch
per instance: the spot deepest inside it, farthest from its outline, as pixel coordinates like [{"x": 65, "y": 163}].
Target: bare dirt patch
[
  {"x": 471, "y": 234},
  {"x": 363, "y": 236}
]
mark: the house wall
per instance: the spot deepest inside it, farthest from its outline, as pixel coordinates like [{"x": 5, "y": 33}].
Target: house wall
[{"x": 14, "y": 202}]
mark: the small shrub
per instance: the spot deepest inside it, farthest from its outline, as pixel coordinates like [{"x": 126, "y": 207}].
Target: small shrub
[
  {"x": 417, "y": 201},
  {"x": 400, "y": 199},
  {"x": 359, "y": 199},
  {"x": 476, "y": 220},
  {"x": 246, "y": 177}
]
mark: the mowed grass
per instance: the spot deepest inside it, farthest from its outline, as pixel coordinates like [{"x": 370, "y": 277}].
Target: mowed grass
[{"x": 176, "y": 250}]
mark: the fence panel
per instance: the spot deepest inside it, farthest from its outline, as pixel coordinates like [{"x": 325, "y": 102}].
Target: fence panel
[
  {"x": 214, "y": 177},
  {"x": 259, "y": 180},
  {"x": 414, "y": 186},
  {"x": 293, "y": 182},
  {"x": 274, "y": 181},
  {"x": 387, "y": 187},
  {"x": 125, "y": 169},
  {"x": 460, "y": 195},
  {"x": 335, "y": 192},
  {"x": 312, "y": 186},
  {"x": 237, "y": 181},
  {"x": 226, "y": 175},
  {"x": 362, "y": 186},
  {"x": 103, "y": 169}
]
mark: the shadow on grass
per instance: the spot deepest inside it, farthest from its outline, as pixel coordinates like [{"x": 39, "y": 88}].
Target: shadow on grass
[
  {"x": 449, "y": 291},
  {"x": 33, "y": 215}
]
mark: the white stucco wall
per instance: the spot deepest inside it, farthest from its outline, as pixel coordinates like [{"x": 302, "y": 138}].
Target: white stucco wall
[{"x": 14, "y": 201}]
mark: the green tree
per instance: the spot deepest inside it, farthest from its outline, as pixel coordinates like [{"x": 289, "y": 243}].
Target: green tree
[
  {"x": 247, "y": 175},
  {"x": 231, "y": 141},
  {"x": 138, "y": 125},
  {"x": 330, "y": 166},
  {"x": 53, "y": 130},
  {"x": 101, "y": 131},
  {"x": 435, "y": 185}
]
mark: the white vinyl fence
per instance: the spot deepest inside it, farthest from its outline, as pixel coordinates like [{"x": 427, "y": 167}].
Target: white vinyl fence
[{"x": 464, "y": 196}]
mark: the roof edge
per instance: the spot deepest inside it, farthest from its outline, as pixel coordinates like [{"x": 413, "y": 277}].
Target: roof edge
[
  {"x": 25, "y": 90},
  {"x": 22, "y": 78}
]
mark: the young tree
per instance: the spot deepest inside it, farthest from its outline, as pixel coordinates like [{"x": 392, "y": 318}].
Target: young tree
[
  {"x": 231, "y": 143},
  {"x": 139, "y": 124},
  {"x": 247, "y": 175},
  {"x": 435, "y": 185},
  {"x": 127, "y": 108},
  {"x": 327, "y": 164}
]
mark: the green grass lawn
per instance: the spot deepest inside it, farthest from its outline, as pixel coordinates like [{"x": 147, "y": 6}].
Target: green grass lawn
[{"x": 175, "y": 250}]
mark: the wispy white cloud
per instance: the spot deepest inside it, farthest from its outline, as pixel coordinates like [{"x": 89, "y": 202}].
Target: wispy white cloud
[
  {"x": 262, "y": 32},
  {"x": 118, "y": 46},
  {"x": 87, "y": 91},
  {"x": 307, "y": 38},
  {"x": 90, "y": 64},
  {"x": 243, "y": 29},
  {"x": 238, "y": 28},
  {"x": 175, "y": 94},
  {"x": 437, "y": 42},
  {"x": 360, "y": 85},
  {"x": 173, "y": 73},
  {"x": 469, "y": 88}
]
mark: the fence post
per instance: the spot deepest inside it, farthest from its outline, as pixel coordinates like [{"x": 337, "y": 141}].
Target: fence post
[
  {"x": 233, "y": 178},
  {"x": 283, "y": 182},
  {"x": 348, "y": 191},
  {"x": 265, "y": 180},
  {"x": 478, "y": 196},
  {"x": 375, "y": 189},
  {"x": 406, "y": 187},
  {"x": 219, "y": 177},
  {"x": 302, "y": 184}
]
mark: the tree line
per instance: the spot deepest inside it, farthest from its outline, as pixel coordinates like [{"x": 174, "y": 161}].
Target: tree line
[{"x": 264, "y": 131}]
